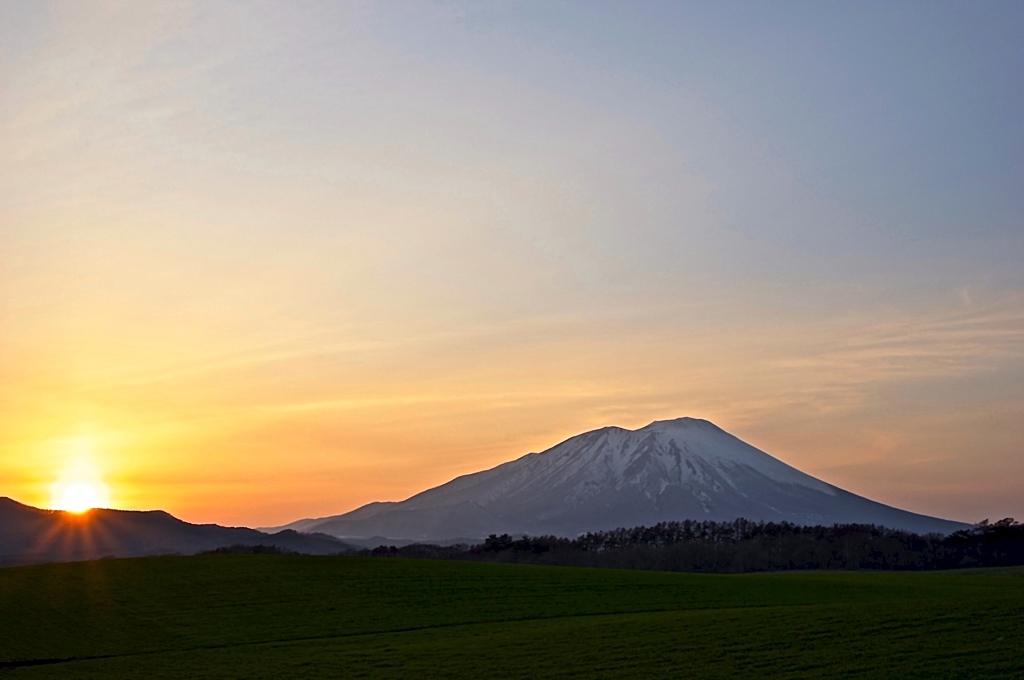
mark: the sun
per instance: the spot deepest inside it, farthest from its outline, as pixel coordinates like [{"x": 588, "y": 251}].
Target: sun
[
  {"x": 78, "y": 497},
  {"x": 79, "y": 487},
  {"x": 79, "y": 493}
]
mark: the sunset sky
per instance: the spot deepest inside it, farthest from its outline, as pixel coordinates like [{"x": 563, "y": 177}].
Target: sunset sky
[{"x": 269, "y": 260}]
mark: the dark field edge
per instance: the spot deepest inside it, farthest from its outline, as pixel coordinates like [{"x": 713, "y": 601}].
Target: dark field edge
[
  {"x": 12, "y": 665},
  {"x": 15, "y": 664},
  {"x": 619, "y": 668}
]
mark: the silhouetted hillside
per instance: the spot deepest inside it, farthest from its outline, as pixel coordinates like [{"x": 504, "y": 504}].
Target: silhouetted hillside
[{"x": 30, "y": 535}]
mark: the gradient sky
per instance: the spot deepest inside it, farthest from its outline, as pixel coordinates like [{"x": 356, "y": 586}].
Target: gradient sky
[{"x": 269, "y": 260}]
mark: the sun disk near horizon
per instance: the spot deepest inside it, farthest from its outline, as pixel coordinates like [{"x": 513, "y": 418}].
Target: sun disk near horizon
[{"x": 79, "y": 490}]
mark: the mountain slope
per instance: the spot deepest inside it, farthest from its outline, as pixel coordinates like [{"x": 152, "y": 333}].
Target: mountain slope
[
  {"x": 613, "y": 477},
  {"x": 29, "y": 535}
]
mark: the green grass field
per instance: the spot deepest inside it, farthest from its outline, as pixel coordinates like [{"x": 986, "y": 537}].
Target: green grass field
[{"x": 294, "y": 616}]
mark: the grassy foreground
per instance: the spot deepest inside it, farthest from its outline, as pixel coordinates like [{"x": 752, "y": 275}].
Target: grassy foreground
[{"x": 295, "y": 616}]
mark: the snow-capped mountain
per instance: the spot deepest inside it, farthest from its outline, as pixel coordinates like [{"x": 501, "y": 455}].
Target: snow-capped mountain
[{"x": 613, "y": 477}]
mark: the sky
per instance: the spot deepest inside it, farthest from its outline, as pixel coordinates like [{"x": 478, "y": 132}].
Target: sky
[{"x": 262, "y": 261}]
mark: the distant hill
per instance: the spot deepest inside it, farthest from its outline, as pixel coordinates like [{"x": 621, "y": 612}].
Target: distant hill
[
  {"x": 613, "y": 477},
  {"x": 30, "y": 535}
]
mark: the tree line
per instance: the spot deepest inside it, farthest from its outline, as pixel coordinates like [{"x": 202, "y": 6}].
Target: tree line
[{"x": 742, "y": 546}]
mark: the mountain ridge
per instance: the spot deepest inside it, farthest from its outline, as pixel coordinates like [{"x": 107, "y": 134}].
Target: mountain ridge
[{"x": 30, "y": 535}]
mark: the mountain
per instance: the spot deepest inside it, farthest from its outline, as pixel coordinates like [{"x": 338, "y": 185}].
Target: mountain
[
  {"x": 29, "y": 535},
  {"x": 613, "y": 477}
]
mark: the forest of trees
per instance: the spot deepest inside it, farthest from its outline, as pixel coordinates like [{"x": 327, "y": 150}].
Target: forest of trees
[{"x": 743, "y": 546}]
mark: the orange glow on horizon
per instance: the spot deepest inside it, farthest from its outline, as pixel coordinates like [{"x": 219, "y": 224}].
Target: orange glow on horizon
[{"x": 269, "y": 436}]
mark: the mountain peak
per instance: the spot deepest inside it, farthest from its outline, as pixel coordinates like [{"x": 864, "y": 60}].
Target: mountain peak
[{"x": 680, "y": 423}]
